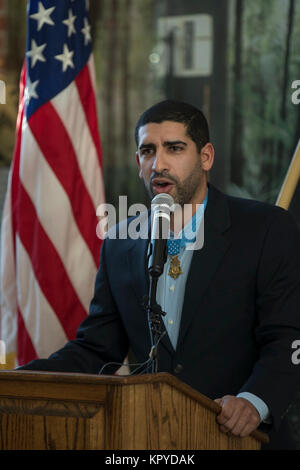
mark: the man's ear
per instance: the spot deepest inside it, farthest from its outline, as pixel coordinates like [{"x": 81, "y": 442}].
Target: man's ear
[
  {"x": 138, "y": 164},
  {"x": 207, "y": 156}
]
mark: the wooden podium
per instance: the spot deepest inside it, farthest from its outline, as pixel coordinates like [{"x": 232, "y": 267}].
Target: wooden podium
[{"x": 47, "y": 411}]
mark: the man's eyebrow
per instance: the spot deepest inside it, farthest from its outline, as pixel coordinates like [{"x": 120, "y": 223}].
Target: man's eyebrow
[
  {"x": 167, "y": 143},
  {"x": 147, "y": 146},
  {"x": 174, "y": 142}
]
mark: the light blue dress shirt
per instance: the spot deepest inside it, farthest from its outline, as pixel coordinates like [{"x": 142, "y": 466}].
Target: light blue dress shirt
[{"x": 170, "y": 296}]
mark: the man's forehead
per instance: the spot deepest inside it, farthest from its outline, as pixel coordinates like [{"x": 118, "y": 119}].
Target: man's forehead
[{"x": 166, "y": 130}]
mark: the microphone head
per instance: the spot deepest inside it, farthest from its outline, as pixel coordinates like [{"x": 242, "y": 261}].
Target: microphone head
[
  {"x": 163, "y": 198},
  {"x": 161, "y": 208}
]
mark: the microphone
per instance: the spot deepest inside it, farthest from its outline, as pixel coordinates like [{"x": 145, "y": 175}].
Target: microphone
[{"x": 161, "y": 206}]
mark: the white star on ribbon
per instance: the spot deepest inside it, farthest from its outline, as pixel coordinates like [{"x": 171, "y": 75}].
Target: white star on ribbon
[
  {"x": 43, "y": 16},
  {"x": 86, "y": 32},
  {"x": 30, "y": 90},
  {"x": 36, "y": 53},
  {"x": 66, "y": 58},
  {"x": 70, "y": 23}
]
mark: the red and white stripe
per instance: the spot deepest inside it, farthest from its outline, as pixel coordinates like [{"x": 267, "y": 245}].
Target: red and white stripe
[{"x": 50, "y": 251}]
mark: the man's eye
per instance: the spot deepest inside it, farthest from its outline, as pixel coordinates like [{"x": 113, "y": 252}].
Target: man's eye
[
  {"x": 146, "y": 152},
  {"x": 176, "y": 148}
]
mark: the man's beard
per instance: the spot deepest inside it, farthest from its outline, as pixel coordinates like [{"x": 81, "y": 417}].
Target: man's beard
[{"x": 185, "y": 190}]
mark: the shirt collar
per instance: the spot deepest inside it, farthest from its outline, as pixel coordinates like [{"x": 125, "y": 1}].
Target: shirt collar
[{"x": 188, "y": 233}]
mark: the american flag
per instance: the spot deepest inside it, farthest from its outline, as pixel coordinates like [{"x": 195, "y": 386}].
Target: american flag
[{"x": 49, "y": 247}]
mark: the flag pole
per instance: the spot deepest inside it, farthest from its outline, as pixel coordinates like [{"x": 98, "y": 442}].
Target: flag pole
[{"x": 290, "y": 182}]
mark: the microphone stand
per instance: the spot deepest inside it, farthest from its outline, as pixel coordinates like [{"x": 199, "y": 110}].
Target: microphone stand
[
  {"x": 156, "y": 326},
  {"x": 154, "y": 311},
  {"x": 157, "y": 257}
]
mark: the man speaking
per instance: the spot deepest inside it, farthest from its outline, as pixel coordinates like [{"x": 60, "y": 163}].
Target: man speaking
[{"x": 232, "y": 307}]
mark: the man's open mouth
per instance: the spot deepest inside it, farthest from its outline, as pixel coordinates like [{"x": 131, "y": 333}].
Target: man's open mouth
[{"x": 160, "y": 185}]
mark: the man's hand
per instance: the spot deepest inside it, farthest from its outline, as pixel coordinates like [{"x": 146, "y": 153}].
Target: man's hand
[{"x": 238, "y": 416}]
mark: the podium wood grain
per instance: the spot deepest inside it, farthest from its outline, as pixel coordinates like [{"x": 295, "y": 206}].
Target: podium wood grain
[{"x": 48, "y": 411}]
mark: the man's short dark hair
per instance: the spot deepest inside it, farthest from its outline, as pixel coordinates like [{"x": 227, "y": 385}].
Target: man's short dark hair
[{"x": 177, "y": 111}]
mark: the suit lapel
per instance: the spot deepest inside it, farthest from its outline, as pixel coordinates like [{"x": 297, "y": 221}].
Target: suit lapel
[
  {"x": 205, "y": 261},
  {"x": 137, "y": 261}
]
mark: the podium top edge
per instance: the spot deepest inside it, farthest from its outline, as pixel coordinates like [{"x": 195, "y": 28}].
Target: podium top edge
[{"x": 118, "y": 380}]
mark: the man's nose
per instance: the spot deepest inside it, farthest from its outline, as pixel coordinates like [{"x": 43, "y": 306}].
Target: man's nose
[{"x": 160, "y": 162}]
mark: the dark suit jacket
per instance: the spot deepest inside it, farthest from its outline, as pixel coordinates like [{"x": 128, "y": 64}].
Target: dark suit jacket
[{"x": 241, "y": 309}]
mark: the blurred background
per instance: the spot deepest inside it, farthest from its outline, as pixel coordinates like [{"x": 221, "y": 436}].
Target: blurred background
[{"x": 235, "y": 59}]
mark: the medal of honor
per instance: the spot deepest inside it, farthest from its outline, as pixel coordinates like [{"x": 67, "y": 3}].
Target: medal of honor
[{"x": 175, "y": 268}]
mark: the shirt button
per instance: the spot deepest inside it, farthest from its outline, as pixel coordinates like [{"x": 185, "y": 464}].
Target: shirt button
[
  {"x": 172, "y": 288},
  {"x": 170, "y": 322},
  {"x": 178, "y": 368}
]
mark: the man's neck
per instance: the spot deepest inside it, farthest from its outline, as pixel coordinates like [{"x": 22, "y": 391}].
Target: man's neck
[{"x": 181, "y": 217}]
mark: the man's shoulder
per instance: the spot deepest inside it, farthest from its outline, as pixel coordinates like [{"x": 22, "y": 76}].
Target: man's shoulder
[
  {"x": 243, "y": 211},
  {"x": 241, "y": 204},
  {"x": 264, "y": 214}
]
